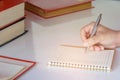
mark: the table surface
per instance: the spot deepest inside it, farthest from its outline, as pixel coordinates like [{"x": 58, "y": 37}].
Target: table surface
[{"x": 46, "y": 34}]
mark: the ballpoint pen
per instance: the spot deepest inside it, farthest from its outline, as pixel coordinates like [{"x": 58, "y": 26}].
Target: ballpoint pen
[{"x": 95, "y": 27}]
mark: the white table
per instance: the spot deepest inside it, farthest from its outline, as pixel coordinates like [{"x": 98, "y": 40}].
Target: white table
[{"x": 45, "y": 35}]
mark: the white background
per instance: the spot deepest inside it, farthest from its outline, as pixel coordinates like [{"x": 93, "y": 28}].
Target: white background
[{"x": 45, "y": 35}]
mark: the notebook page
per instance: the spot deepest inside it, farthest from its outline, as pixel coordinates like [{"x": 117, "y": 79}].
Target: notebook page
[
  {"x": 8, "y": 71},
  {"x": 76, "y": 55}
]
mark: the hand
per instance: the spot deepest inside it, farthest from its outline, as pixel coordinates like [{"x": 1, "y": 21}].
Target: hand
[{"x": 104, "y": 37}]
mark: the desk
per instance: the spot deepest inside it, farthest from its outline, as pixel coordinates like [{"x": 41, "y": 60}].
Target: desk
[{"x": 44, "y": 35}]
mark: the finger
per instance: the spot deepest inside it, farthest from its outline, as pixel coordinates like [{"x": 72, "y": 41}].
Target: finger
[
  {"x": 97, "y": 48},
  {"x": 101, "y": 47},
  {"x": 92, "y": 41},
  {"x": 86, "y": 30},
  {"x": 83, "y": 34},
  {"x": 91, "y": 48}
]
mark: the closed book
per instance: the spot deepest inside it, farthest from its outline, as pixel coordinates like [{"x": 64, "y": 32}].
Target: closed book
[
  {"x": 12, "y": 31},
  {"x": 52, "y": 8},
  {"x": 10, "y": 11}
]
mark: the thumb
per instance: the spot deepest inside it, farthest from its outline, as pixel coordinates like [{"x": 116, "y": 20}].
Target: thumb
[{"x": 92, "y": 41}]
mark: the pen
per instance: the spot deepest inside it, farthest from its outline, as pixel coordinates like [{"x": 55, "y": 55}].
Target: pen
[{"x": 95, "y": 27}]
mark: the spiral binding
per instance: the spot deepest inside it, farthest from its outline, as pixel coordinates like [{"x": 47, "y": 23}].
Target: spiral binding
[{"x": 79, "y": 66}]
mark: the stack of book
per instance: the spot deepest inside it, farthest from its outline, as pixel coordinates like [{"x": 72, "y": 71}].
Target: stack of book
[
  {"x": 12, "y": 18},
  {"x": 52, "y": 8}
]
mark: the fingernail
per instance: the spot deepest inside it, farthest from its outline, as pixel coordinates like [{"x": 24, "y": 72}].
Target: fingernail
[
  {"x": 92, "y": 48},
  {"x": 85, "y": 44},
  {"x": 102, "y": 48}
]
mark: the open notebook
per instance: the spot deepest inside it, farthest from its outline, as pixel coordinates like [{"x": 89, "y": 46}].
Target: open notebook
[
  {"x": 12, "y": 68},
  {"x": 75, "y": 57}
]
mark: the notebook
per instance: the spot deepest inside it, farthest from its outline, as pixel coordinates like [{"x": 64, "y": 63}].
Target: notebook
[{"x": 69, "y": 56}]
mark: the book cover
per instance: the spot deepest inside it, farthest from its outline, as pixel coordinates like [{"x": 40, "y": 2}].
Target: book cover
[
  {"x": 13, "y": 68},
  {"x": 10, "y": 11},
  {"x": 49, "y": 8},
  {"x": 6, "y": 4}
]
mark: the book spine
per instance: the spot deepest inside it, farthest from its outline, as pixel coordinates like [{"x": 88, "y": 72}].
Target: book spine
[{"x": 79, "y": 66}]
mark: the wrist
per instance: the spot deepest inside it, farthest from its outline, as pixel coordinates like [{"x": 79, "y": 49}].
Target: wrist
[{"x": 117, "y": 40}]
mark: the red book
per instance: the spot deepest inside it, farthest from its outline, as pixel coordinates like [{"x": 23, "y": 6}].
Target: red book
[
  {"x": 10, "y": 11},
  {"x": 9, "y": 3},
  {"x": 12, "y": 17},
  {"x": 13, "y": 68},
  {"x": 52, "y": 8}
]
